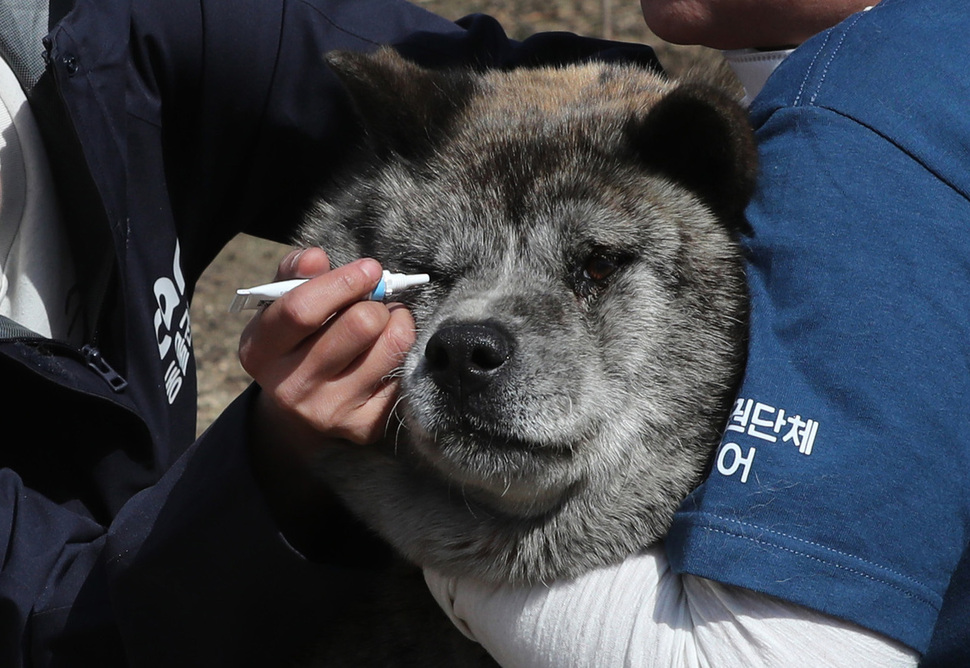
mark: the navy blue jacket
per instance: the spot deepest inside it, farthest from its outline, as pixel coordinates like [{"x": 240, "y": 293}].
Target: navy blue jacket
[{"x": 173, "y": 125}]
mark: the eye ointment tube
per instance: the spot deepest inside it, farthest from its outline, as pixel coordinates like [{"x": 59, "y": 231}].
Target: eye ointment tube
[{"x": 389, "y": 285}]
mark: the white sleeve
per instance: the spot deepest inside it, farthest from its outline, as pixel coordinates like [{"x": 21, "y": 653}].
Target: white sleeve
[{"x": 639, "y": 613}]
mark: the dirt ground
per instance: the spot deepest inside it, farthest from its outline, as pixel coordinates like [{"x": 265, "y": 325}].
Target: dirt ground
[{"x": 248, "y": 261}]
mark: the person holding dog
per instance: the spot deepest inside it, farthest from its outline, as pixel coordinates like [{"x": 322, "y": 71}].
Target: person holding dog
[
  {"x": 162, "y": 129},
  {"x": 833, "y": 527},
  {"x": 126, "y": 543}
]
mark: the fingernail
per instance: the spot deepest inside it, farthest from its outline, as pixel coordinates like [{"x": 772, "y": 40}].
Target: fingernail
[
  {"x": 292, "y": 260},
  {"x": 372, "y": 268}
]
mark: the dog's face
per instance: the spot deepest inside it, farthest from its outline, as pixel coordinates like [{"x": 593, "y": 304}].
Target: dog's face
[{"x": 584, "y": 324}]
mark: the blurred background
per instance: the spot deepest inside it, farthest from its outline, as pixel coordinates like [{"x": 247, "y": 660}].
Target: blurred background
[{"x": 248, "y": 261}]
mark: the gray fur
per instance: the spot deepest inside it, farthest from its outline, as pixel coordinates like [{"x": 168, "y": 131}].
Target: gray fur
[{"x": 551, "y": 422}]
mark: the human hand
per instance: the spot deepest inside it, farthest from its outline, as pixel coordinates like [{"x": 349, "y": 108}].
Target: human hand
[
  {"x": 324, "y": 362},
  {"x": 322, "y": 357}
]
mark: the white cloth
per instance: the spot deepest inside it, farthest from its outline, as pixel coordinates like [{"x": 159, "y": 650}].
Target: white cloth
[
  {"x": 753, "y": 68},
  {"x": 36, "y": 269},
  {"x": 639, "y": 613}
]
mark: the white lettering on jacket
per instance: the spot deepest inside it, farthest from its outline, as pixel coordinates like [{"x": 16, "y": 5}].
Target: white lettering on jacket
[{"x": 173, "y": 331}]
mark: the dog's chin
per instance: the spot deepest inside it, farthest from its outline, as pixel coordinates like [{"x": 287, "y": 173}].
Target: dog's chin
[{"x": 507, "y": 474}]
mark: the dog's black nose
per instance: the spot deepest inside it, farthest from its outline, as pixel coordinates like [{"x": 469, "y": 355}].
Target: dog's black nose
[{"x": 465, "y": 358}]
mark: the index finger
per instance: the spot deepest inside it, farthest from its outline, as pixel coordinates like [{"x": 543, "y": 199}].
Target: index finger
[
  {"x": 302, "y": 311},
  {"x": 303, "y": 263}
]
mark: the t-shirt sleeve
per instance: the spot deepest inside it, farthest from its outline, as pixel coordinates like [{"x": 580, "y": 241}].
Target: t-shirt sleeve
[{"x": 841, "y": 482}]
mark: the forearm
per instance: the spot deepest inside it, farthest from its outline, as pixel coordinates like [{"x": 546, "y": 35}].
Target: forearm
[{"x": 641, "y": 613}]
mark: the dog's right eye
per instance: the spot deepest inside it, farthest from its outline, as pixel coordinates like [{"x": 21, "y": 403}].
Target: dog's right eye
[{"x": 599, "y": 267}]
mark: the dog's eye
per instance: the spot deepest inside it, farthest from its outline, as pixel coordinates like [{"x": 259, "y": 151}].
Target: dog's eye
[
  {"x": 594, "y": 272},
  {"x": 599, "y": 267}
]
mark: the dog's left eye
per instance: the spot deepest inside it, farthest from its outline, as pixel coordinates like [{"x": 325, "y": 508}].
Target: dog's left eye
[
  {"x": 594, "y": 272},
  {"x": 599, "y": 267}
]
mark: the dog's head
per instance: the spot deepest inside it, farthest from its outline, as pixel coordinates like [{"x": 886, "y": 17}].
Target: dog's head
[{"x": 584, "y": 325}]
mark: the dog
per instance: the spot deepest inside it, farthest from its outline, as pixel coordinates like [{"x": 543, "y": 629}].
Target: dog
[{"x": 584, "y": 328}]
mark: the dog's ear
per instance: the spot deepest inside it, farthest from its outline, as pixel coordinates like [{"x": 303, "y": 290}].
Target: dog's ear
[
  {"x": 403, "y": 106},
  {"x": 700, "y": 137}
]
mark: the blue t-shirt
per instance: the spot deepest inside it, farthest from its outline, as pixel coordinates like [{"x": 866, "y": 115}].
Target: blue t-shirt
[{"x": 843, "y": 479}]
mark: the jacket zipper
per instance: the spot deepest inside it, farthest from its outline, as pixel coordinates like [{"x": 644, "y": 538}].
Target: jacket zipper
[
  {"x": 92, "y": 356},
  {"x": 11, "y": 331}
]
